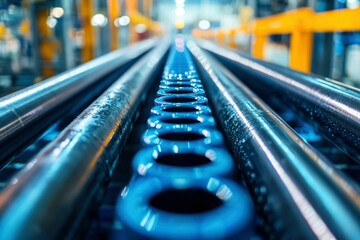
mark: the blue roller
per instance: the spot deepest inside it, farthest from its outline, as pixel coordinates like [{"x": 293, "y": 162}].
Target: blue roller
[
  {"x": 186, "y": 108},
  {"x": 180, "y": 120},
  {"x": 180, "y": 91},
  {"x": 186, "y": 209},
  {"x": 194, "y": 84},
  {"x": 193, "y": 161},
  {"x": 182, "y": 136},
  {"x": 181, "y": 99}
]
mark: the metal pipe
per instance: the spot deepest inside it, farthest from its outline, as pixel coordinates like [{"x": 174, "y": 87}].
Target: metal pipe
[
  {"x": 334, "y": 108},
  {"x": 47, "y": 198},
  {"x": 298, "y": 190},
  {"x": 20, "y": 111}
]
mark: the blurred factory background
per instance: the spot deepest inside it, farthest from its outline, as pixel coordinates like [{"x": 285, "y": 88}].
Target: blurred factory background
[
  {"x": 39, "y": 39},
  {"x": 179, "y": 119}
]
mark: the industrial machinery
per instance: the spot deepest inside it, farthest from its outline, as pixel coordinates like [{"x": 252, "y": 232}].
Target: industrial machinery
[{"x": 162, "y": 141}]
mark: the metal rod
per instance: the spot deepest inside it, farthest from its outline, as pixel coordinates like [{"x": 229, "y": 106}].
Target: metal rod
[
  {"x": 334, "y": 108},
  {"x": 48, "y": 197},
  {"x": 20, "y": 111},
  {"x": 290, "y": 180}
]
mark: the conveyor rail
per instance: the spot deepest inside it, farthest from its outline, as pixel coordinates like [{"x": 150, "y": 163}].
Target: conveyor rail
[
  {"x": 24, "y": 114},
  {"x": 333, "y": 107}
]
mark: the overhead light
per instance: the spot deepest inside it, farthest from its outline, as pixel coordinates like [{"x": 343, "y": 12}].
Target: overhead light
[
  {"x": 140, "y": 28},
  {"x": 57, "y": 12},
  {"x": 99, "y": 20},
  {"x": 352, "y": 3},
  {"x": 122, "y": 21},
  {"x": 51, "y": 22},
  {"x": 180, "y": 1},
  {"x": 179, "y": 12},
  {"x": 204, "y": 24}
]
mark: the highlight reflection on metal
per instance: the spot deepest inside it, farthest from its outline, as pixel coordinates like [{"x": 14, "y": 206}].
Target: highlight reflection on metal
[
  {"x": 21, "y": 110},
  {"x": 334, "y": 107},
  {"x": 281, "y": 169},
  {"x": 63, "y": 179}
]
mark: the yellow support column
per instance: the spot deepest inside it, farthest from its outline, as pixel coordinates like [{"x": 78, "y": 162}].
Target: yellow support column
[
  {"x": 114, "y": 12},
  {"x": 48, "y": 44},
  {"x": 232, "y": 35},
  {"x": 259, "y": 46},
  {"x": 86, "y": 8},
  {"x": 300, "y": 51},
  {"x": 221, "y": 37}
]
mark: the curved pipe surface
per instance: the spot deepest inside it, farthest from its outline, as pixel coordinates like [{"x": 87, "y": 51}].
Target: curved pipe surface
[
  {"x": 46, "y": 199},
  {"x": 293, "y": 183},
  {"x": 334, "y": 107},
  {"x": 21, "y": 110}
]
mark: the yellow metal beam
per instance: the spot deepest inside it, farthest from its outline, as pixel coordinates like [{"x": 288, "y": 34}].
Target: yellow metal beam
[
  {"x": 283, "y": 23},
  {"x": 114, "y": 12},
  {"x": 337, "y": 20},
  {"x": 300, "y": 23}
]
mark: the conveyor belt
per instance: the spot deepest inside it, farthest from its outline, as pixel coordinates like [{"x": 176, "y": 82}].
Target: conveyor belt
[{"x": 189, "y": 153}]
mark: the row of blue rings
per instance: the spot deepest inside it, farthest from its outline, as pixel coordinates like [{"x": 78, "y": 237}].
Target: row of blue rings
[{"x": 181, "y": 187}]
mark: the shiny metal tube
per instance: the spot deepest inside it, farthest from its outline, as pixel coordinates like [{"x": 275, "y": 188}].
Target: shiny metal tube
[
  {"x": 296, "y": 188},
  {"x": 20, "y": 111},
  {"x": 333, "y": 107},
  {"x": 47, "y": 198}
]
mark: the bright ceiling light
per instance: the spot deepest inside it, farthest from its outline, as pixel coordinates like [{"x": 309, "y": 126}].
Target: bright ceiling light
[
  {"x": 57, "y": 12},
  {"x": 51, "y": 22},
  {"x": 99, "y": 20},
  {"x": 179, "y": 12},
  {"x": 204, "y": 24},
  {"x": 122, "y": 21},
  {"x": 180, "y": 1},
  {"x": 140, "y": 28}
]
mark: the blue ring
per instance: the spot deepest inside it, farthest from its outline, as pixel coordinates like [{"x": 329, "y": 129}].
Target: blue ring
[
  {"x": 220, "y": 162},
  {"x": 233, "y": 219},
  {"x": 212, "y": 137},
  {"x": 171, "y": 91},
  {"x": 194, "y": 84},
  {"x": 161, "y": 110},
  {"x": 159, "y": 121},
  {"x": 198, "y": 100}
]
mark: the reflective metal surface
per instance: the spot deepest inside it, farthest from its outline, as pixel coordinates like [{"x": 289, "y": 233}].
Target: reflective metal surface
[
  {"x": 333, "y": 107},
  {"x": 56, "y": 188},
  {"x": 22, "y": 110},
  {"x": 301, "y": 195}
]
